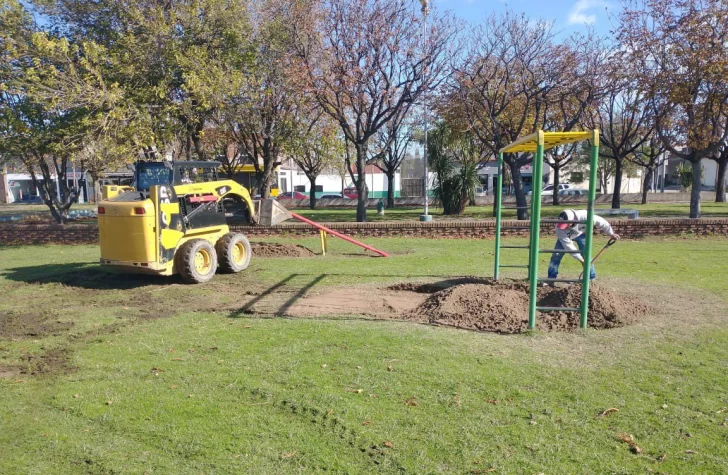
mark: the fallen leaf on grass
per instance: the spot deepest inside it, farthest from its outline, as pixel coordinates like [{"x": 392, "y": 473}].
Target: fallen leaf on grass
[
  {"x": 532, "y": 422},
  {"x": 483, "y": 470},
  {"x": 289, "y": 454},
  {"x": 171, "y": 350},
  {"x": 662, "y": 458},
  {"x": 608, "y": 412},
  {"x": 18, "y": 381},
  {"x": 324, "y": 365},
  {"x": 366, "y": 423},
  {"x": 173, "y": 387},
  {"x": 721, "y": 410},
  {"x": 176, "y": 359},
  {"x": 690, "y": 452},
  {"x": 248, "y": 326},
  {"x": 388, "y": 444},
  {"x": 629, "y": 439},
  {"x": 411, "y": 402},
  {"x": 157, "y": 370},
  {"x": 390, "y": 368},
  {"x": 492, "y": 401},
  {"x": 75, "y": 396},
  {"x": 109, "y": 403}
]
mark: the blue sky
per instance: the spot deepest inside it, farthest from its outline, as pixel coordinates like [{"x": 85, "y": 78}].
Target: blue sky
[{"x": 568, "y": 15}]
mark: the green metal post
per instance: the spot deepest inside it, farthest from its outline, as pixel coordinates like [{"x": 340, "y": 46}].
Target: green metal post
[
  {"x": 589, "y": 229},
  {"x": 498, "y": 201},
  {"x": 536, "y": 188}
]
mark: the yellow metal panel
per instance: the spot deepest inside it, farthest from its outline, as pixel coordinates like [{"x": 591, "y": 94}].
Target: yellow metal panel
[
  {"x": 549, "y": 140},
  {"x": 128, "y": 238}
]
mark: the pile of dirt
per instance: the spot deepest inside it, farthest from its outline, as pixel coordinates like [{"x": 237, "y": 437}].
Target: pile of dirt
[
  {"x": 30, "y": 325},
  {"x": 271, "y": 249},
  {"x": 503, "y": 308}
]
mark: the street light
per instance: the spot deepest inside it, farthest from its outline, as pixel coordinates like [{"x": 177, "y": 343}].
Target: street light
[{"x": 425, "y": 11}]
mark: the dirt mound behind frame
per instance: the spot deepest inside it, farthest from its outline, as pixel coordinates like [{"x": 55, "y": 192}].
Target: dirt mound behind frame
[
  {"x": 271, "y": 249},
  {"x": 503, "y": 308}
]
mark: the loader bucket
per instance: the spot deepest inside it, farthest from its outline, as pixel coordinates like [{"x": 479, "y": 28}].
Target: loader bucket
[{"x": 270, "y": 212}]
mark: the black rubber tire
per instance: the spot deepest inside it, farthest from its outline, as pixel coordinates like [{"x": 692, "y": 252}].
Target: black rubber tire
[
  {"x": 186, "y": 256},
  {"x": 225, "y": 248}
]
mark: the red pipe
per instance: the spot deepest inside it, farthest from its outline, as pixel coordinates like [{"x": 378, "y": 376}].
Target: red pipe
[{"x": 339, "y": 235}]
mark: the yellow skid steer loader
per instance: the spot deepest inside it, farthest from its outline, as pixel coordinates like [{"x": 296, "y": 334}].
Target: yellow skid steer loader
[{"x": 175, "y": 220}]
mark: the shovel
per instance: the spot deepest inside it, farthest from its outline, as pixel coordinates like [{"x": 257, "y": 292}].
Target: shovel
[{"x": 607, "y": 246}]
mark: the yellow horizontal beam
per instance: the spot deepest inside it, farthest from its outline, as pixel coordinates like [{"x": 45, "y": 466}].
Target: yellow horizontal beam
[{"x": 549, "y": 140}]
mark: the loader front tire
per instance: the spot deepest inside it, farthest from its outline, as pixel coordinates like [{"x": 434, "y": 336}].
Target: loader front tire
[
  {"x": 197, "y": 261},
  {"x": 233, "y": 252}
]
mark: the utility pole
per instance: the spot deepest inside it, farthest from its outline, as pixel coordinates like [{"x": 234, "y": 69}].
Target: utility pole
[{"x": 425, "y": 11}]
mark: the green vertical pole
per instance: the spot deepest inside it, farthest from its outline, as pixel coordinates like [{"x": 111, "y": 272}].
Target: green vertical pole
[
  {"x": 589, "y": 228},
  {"x": 535, "y": 229},
  {"x": 498, "y": 201}
]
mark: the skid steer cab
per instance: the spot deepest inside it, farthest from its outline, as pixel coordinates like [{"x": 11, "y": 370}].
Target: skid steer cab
[{"x": 175, "y": 220}]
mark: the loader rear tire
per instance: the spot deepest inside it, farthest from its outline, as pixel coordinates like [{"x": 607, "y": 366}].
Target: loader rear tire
[
  {"x": 197, "y": 261},
  {"x": 233, "y": 252}
]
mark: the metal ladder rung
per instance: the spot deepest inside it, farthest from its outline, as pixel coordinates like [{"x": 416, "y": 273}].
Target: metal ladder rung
[
  {"x": 513, "y": 266},
  {"x": 558, "y": 309},
  {"x": 558, "y": 251},
  {"x": 570, "y": 281},
  {"x": 560, "y": 221},
  {"x": 515, "y": 247}
]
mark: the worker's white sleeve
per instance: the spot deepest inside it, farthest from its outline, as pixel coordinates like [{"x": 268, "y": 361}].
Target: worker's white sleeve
[
  {"x": 603, "y": 225},
  {"x": 568, "y": 244}
]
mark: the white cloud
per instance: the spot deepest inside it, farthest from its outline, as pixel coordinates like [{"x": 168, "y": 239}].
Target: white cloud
[{"x": 581, "y": 12}]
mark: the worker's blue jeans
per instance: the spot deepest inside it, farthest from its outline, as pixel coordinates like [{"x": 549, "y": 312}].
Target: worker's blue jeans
[{"x": 556, "y": 259}]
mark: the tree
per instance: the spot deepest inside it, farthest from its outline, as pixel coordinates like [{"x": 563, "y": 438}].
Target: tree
[
  {"x": 624, "y": 122},
  {"x": 54, "y": 99},
  {"x": 454, "y": 157},
  {"x": 681, "y": 50},
  {"x": 394, "y": 140},
  {"x": 649, "y": 156},
  {"x": 315, "y": 147},
  {"x": 503, "y": 85},
  {"x": 721, "y": 159},
  {"x": 366, "y": 63}
]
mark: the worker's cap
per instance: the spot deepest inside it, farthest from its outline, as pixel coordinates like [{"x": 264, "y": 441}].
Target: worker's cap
[{"x": 566, "y": 215}]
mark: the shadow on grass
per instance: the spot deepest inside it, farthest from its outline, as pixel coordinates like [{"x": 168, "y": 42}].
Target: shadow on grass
[{"x": 86, "y": 276}]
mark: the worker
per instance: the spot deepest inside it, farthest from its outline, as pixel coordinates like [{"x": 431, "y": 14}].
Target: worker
[{"x": 570, "y": 232}]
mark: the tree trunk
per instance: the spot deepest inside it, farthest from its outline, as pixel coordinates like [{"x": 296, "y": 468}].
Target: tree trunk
[
  {"x": 557, "y": 182},
  {"x": 390, "y": 189},
  {"x": 520, "y": 193},
  {"x": 312, "y": 194},
  {"x": 720, "y": 185},
  {"x": 695, "y": 191},
  {"x": 616, "y": 194},
  {"x": 646, "y": 184},
  {"x": 361, "y": 184}
]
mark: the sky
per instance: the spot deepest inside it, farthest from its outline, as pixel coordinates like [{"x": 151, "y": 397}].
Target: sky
[{"x": 568, "y": 15}]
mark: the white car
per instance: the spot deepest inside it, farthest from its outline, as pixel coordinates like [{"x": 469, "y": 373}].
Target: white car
[{"x": 548, "y": 190}]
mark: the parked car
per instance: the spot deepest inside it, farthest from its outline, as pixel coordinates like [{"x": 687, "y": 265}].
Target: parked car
[
  {"x": 331, "y": 196},
  {"x": 352, "y": 193},
  {"x": 548, "y": 190},
  {"x": 294, "y": 195},
  {"x": 573, "y": 192}
]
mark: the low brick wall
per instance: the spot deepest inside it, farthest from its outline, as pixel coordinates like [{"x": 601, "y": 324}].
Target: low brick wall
[{"x": 20, "y": 234}]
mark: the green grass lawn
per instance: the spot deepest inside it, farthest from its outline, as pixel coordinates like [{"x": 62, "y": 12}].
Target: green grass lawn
[
  {"x": 650, "y": 210},
  {"x": 152, "y": 376}
]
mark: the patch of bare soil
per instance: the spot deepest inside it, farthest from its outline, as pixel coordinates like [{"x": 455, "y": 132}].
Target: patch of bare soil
[
  {"x": 30, "y": 325},
  {"x": 476, "y": 304},
  {"x": 382, "y": 303},
  {"x": 52, "y": 361},
  {"x": 503, "y": 308},
  {"x": 272, "y": 249}
]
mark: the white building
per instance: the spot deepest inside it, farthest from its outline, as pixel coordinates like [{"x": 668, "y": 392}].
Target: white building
[{"x": 292, "y": 178}]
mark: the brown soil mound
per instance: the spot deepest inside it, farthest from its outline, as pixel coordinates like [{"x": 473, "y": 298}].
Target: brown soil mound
[
  {"x": 503, "y": 308},
  {"x": 30, "y": 325},
  {"x": 271, "y": 249}
]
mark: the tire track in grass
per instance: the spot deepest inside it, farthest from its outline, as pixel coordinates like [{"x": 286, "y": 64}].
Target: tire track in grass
[{"x": 380, "y": 456}]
